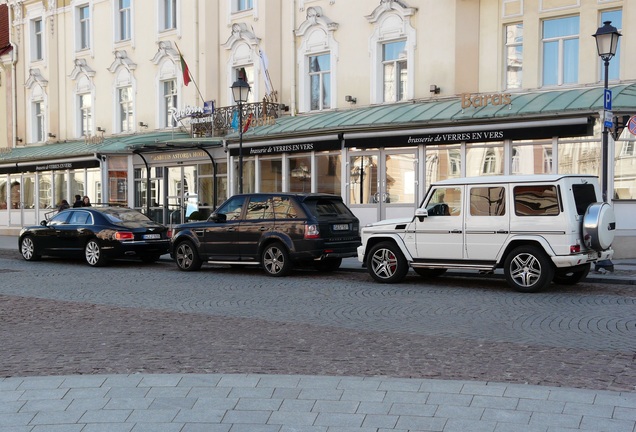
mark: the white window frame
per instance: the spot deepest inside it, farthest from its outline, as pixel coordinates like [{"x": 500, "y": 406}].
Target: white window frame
[
  {"x": 123, "y": 20},
  {"x": 83, "y": 27},
  {"x": 561, "y": 52},
  {"x": 168, "y": 9},
  {"x": 37, "y": 39},
  {"x": 123, "y": 80},
  {"x": 391, "y": 25},
  {"x": 86, "y": 115},
  {"x": 317, "y": 38},
  {"x": 38, "y": 118},
  {"x": 508, "y": 46},
  {"x": 239, "y": 6},
  {"x": 396, "y": 64},
  {"x": 324, "y": 78},
  {"x": 168, "y": 101}
]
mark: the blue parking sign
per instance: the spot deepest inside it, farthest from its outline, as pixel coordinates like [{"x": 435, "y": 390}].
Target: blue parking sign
[{"x": 607, "y": 100}]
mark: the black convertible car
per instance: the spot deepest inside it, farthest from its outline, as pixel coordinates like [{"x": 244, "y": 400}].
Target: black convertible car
[{"x": 96, "y": 233}]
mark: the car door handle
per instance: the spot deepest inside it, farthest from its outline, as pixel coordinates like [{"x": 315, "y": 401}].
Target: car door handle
[
  {"x": 502, "y": 232},
  {"x": 231, "y": 229},
  {"x": 456, "y": 231},
  {"x": 263, "y": 229}
]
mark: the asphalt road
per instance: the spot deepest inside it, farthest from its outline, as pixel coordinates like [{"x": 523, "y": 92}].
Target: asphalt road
[{"x": 63, "y": 318}]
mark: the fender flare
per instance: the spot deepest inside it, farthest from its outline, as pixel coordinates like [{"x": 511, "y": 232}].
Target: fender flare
[
  {"x": 524, "y": 239},
  {"x": 378, "y": 238}
]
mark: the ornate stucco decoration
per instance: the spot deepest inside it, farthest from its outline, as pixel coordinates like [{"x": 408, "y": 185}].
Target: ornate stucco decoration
[
  {"x": 302, "y": 4},
  {"x": 165, "y": 49},
  {"x": 391, "y": 5},
  {"x": 35, "y": 77},
  {"x": 121, "y": 59},
  {"x": 16, "y": 6},
  {"x": 81, "y": 68},
  {"x": 316, "y": 17},
  {"x": 51, "y": 14},
  {"x": 241, "y": 32}
]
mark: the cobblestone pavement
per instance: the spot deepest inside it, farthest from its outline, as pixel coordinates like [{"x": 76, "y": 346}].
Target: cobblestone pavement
[{"x": 66, "y": 318}]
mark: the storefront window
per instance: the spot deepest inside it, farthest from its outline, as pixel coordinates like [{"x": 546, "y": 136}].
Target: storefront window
[
  {"x": 484, "y": 160},
  {"x": 3, "y": 194},
  {"x": 443, "y": 163},
  {"x": 271, "y": 175},
  {"x": 579, "y": 157},
  {"x": 532, "y": 157},
  {"x": 45, "y": 191},
  {"x": 363, "y": 179},
  {"x": 625, "y": 168},
  {"x": 329, "y": 166},
  {"x": 60, "y": 188},
  {"x": 117, "y": 180},
  {"x": 300, "y": 174},
  {"x": 249, "y": 175},
  {"x": 28, "y": 192},
  {"x": 400, "y": 178}
]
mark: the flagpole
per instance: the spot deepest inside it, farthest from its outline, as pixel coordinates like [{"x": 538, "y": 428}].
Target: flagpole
[{"x": 190, "y": 75}]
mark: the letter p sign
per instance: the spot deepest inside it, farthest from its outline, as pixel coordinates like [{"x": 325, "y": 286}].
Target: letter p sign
[{"x": 607, "y": 100}]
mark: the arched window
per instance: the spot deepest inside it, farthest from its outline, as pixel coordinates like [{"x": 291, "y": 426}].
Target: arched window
[{"x": 124, "y": 110}]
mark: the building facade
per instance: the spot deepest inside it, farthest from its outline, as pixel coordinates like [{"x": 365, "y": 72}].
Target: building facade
[{"x": 130, "y": 101}]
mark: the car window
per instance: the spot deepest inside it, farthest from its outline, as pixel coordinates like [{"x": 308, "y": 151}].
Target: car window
[
  {"x": 119, "y": 215},
  {"x": 325, "y": 207},
  {"x": 60, "y": 218},
  {"x": 488, "y": 201},
  {"x": 445, "y": 201},
  {"x": 537, "y": 200},
  {"x": 232, "y": 208},
  {"x": 584, "y": 195},
  {"x": 260, "y": 207},
  {"x": 285, "y": 208},
  {"x": 79, "y": 218}
]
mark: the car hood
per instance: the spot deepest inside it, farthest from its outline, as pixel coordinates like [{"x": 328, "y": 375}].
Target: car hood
[{"x": 388, "y": 223}]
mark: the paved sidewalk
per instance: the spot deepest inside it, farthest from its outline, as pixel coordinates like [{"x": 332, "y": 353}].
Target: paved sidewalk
[{"x": 298, "y": 403}]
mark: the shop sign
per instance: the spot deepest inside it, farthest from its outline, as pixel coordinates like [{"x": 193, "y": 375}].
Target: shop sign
[
  {"x": 470, "y": 100},
  {"x": 287, "y": 148},
  {"x": 177, "y": 156},
  {"x": 44, "y": 166}
]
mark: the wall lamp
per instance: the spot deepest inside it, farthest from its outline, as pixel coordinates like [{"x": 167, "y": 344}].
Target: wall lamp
[
  {"x": 434, "y": 89},
  {"x": 351, "y": 99},
  {"x": 51, "y": 135},
  {"x": 100, "y": 129},
  {"x": 143, "y": 125}
]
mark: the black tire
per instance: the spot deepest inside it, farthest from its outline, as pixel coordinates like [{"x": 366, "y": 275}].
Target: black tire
[
  {"x": 93, "y": 254},
  {"x": 328, "y": 265},
  {"x": 150, "y": 258},
  {"x": 27, "y": 249},
  {"x": 187, "y": 257},
  {"x": 275, "y": 260},
  {"x": 572, "y": 275},
  {"x": 386, "y": 263},
  {"x": 528, "y": 269},
  {"x": 429, "y": 272}
]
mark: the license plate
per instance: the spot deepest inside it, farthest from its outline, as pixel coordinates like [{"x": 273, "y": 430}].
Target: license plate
[
  {"x": 151, "y": 236},
  {"x": 341, "y": 227}
]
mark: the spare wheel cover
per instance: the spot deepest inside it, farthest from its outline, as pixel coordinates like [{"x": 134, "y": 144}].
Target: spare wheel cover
[{"x": 599, "y": 226}]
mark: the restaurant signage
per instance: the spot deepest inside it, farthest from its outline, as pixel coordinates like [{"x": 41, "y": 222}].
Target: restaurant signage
[{"x": 300, "y": 147}]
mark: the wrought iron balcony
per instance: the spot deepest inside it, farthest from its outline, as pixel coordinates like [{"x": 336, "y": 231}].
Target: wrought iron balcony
[{"x": 224, "y": 120}]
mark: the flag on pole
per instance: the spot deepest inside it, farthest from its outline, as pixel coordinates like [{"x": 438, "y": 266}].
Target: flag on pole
[
  {"x": 186, "y": 71},
  {"x": 246, "y": 126},
  {"x": 265, "y": 68}
]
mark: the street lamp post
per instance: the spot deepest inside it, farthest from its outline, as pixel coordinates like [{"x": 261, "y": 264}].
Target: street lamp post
[
  {"x": 240, "y": 92},
  {"x": 606, "y": 43}
]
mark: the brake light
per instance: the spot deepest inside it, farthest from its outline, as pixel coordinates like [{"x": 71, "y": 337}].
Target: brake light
[
  {"x": 124, "y": 235},
  {"x": 169, "y": 233},
  {"x": 575, "y": 249},
  {"x": 312, "y": 232}
]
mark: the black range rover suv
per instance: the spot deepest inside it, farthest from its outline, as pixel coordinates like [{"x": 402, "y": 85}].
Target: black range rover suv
[{"x": 274, "y": 230}]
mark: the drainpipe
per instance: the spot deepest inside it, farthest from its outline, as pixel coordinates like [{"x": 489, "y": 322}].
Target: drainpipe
[
  {"x": 293, "y": 66},
  {"x": 14, "y": 95}
]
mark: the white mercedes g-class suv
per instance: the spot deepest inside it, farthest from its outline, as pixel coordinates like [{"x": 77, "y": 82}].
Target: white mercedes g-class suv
[{"x": 539, "y": 229}]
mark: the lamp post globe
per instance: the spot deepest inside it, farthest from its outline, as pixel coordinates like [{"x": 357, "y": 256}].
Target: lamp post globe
[{"x": 240, "y": 93}]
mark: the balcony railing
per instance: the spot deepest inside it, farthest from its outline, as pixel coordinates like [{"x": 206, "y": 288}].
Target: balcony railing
[{"x": 224, "y": 120}]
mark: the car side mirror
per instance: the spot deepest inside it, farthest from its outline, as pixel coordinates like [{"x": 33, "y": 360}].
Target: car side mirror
[
  {"x": 43, "y": 223},
  {"x": 421, "y": 213},
  {"x": 218, "y": 217}
]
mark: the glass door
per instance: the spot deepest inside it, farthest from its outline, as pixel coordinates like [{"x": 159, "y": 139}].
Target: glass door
[
  {"x": 182, "y": 199},
  {"x": 382, "y": 184}
]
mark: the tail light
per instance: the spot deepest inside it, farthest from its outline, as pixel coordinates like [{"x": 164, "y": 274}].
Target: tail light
[
  {"x": 124, "y": 235},
  {"x": 574, "y": 249},
  {"x": 312, "y": 232},
  {"x": 169, "y": 233}
]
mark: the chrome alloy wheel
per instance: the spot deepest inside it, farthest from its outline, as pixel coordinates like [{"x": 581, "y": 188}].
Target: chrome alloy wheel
[
  {"x": 93, "y": 253},
  {"x": 525, "y": 270},
  {"x": 384, "y": 263},
  {"x": 27, "y": 249}
]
